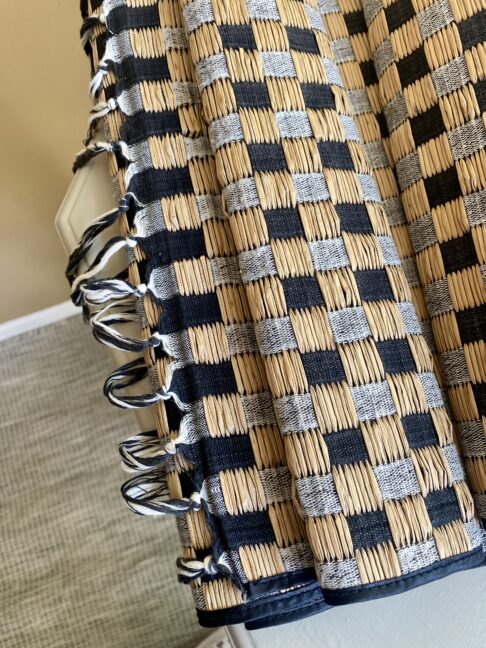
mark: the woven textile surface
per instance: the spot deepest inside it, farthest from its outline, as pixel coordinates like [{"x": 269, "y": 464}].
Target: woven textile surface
[
  {"x": 432, "y": 93},
  {"x": 280, "y": 273},
  {"x": 76, "y": 571},
  {"x": 420, "y": 108}
]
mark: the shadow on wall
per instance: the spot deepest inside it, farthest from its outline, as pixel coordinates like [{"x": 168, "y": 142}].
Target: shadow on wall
[{"x": 44, "y": 104}]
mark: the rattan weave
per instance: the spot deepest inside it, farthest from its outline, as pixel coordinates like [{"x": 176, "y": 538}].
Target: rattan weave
[
  {"x": 431, "y": 67},
  {"x": 273, "y": 271}
]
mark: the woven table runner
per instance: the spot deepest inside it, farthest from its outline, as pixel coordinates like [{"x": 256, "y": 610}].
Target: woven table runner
[{"x": 300, "y": 203}]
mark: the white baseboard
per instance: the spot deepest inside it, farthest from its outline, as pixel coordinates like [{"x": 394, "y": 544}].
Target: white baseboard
[{"x": 37, "y": 320}]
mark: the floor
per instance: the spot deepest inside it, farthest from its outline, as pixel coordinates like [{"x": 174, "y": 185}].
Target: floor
[{"x": 78, "y": 568}]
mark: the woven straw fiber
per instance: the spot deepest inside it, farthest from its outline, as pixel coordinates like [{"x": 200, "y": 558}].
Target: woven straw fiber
[
  {"x": 247, "y": 484},
  {"x": 434, "y": 135},
  {"x": 430, "y": 63},
  {"x": 365, "y": 431},
  {"x": 280, "y": 300}
]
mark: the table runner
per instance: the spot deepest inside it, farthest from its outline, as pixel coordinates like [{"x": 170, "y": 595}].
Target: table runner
[{"x": 301, "y": 429}]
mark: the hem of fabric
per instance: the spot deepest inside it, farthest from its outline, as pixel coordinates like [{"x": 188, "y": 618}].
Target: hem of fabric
[
  {"x": 482, "y": 563},
  {"x": 275, "y": 584},
  {"x": 402, "y": 584},
  {"x": 287, "y": 617},
  {"x": 282, "y": 607}
]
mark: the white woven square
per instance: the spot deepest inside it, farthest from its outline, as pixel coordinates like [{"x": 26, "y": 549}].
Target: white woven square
[{"x": 397, "y": 479}]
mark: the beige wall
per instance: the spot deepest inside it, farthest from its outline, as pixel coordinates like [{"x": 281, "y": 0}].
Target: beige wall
[{"x": 44, "y": 104}]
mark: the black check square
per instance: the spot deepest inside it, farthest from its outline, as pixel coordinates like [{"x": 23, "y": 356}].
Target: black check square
[
  {"x": 479, "y": 391},
  {"x": 420, "y": 430},
  {"x": 284, "y": 223},
  {"x": 302, "y": 40},
  {"x": 398, "y": 13},
  {"x": 251, "y": 95},
  {"x": 480, "y": 90},
  {"x": 382, "y": 123},
  {"x": 191, "y": 480},
  {"x": 355, "y": 22},
  {"x": 181, "y": 247},
  {"x": 215, "y": 454},
  {"x": 267, "y": 157},
  {"x": 427, "y": 125},
  {"x": 373, "y": 285},
  {"x": 472, "y": 30},
  {"x": 442, "y": 187},
  {"x": 368, "y": 71},
  {"x": 335, "y": 155},
  {"x": 442, "y": 507},
  {"x": 354, "y": 218},
  {"x": 413, "y": 67},
  {"x": 470, "y": 322},
  {"x": 323, "y": 367},
  {"x": 459, "y": 253},
  {"x": 173, "y": 414},
  {"x": 247, "y": 529},
  {"x": 186, "y": 311},
  {"x": 237, "y": 37},
  {"x": 195, "y": 381},
  {"x": 396, "y": 356},
  {"x": 302, "y": 292},
  {"x": 317, "y": 96},
  {"x": 346, "y": 446},
  {"x": 369, "y": 529}
]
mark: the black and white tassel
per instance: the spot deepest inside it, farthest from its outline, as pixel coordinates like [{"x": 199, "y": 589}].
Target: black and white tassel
[
  {"x": 94, "y": 230},
  {"x": 190, "y": 570},
  {"x": 147, "y": 450},
  {"x": 112, "y": 247},
  {"x": 89, "y": 236},
  {"x": 103, "y": 322},
  {"x": 146, "y": 493},
  {"x": 96, "y": 148},
  {"x": 149, "y": 495},
  {"x": 89, "y": 25},
  {"x": 101, "y": 291},
  {"x": 130, "y": 374}
]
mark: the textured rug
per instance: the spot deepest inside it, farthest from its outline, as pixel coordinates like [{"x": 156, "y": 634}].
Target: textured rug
[{"x": 77, "y": 568}]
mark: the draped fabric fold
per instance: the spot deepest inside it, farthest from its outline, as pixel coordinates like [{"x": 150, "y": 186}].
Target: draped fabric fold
[{"x": 301, "y": 188}]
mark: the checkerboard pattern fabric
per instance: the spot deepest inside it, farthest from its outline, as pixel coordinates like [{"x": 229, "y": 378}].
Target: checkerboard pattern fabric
[
  {"x": 292, "y": 169},
  {"x": 233, "y": 453},
  {"x": 302, "y": 438},
  {"x": 429, "y": 60},
  {"x": 345, "y": 27}
]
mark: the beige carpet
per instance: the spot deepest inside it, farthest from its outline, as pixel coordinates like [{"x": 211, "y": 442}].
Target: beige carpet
[{"x": 77, "y": 569}]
